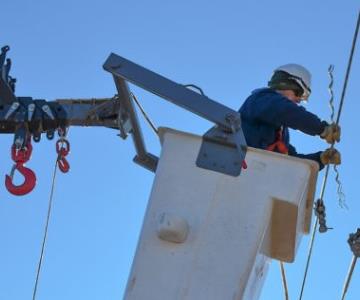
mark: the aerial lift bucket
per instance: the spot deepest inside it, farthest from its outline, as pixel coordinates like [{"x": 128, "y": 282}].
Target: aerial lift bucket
[{"x": 208, "y": 235}]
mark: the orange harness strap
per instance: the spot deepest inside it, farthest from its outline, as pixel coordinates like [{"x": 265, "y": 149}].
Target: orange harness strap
[{"x": 278, "y": 145}]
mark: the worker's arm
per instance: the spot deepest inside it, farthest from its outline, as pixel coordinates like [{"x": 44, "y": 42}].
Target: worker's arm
[
  {"x": 312, "y": 156},
  {"x": 297, "y": 117},
  {"x": 269, "y": 107},
  {"x": 329, "y": 156},
  {"x": 276, "y": 110}
]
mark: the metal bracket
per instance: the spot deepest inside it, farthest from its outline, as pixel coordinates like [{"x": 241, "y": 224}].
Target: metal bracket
[
  {"x": 129, "y": 123},
  {"x": 223, "y": 149}
]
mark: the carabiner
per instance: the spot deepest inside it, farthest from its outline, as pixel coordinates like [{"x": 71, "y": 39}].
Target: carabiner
[{"x": 27, "y": 186}]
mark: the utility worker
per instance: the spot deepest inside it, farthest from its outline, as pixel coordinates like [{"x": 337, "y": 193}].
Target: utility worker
[{"x": 268, "y": 113}]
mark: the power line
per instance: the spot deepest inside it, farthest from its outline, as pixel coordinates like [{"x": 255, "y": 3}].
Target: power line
[{"x": 322, "y": 191}]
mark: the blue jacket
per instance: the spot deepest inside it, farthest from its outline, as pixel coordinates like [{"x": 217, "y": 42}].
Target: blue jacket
[{"x": 265, "y": 111}]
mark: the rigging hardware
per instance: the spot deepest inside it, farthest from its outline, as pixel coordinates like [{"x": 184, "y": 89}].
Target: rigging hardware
[
  {"x": 63, "y": 149},
  {"x": 223, "y": 149},
  {"x": 320, "y": 214},
  {"x": 20, "y": 156}
]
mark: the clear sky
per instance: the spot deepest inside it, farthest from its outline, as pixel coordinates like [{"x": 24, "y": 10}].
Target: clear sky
[{"x": 228, "y": 48}]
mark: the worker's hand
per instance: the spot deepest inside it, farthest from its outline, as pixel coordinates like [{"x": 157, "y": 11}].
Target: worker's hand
[
  {"x": 331, "y": 133},
  {"x": 330, "y": 156}
]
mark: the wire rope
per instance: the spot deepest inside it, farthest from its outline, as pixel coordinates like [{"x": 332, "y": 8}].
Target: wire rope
[
  {"x": 147, "y": 118},
  {"x": 48, "y": 215},
  {"x": 41, "y": 258}
]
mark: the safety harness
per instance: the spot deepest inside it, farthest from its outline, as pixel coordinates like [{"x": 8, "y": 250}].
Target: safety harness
[{"x": 278, "y": 145}]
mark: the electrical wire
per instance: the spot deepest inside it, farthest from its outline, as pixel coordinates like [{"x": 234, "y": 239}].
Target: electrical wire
[{"x": 322, "y": 191}]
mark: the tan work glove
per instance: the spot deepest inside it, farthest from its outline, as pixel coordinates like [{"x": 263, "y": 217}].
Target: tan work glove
[
  {"x": 331, "y": 133},
  {"x": 330, "y": 156}
]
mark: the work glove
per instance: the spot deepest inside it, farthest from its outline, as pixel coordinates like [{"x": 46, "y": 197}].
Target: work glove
[
  {"x": 331, "y": 133},
  {"x": 330, "y": 156}
]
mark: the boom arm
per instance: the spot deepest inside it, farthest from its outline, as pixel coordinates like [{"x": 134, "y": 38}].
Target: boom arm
[{"x": 223, "y": 148}]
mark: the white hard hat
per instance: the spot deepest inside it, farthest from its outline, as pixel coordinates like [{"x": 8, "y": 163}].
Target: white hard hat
[{"x": 300, "y": 75}]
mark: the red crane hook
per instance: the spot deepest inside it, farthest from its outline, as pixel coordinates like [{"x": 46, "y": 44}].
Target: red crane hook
[
  {"x": 27, "y": 186},
  {"x": 21, "y": 156}
]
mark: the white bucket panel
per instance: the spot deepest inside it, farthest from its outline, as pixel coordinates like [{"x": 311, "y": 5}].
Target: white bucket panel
[{"x": 210, "y": 236}]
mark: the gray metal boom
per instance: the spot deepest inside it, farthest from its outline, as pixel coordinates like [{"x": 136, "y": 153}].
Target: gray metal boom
[
  {"x": 223, "y": 149},
  {"x": 176, "y": 93},
  {"x": 224, "y": 146}
]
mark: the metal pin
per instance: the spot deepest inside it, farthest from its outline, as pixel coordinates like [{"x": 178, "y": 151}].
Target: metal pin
[
  {"x": 12, "y": 109},
  {"x": 31, "y": 109},
  {"x": 47, "y": 110}
]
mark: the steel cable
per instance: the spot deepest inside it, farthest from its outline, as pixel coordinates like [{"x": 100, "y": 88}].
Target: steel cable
[
  {"x": 45, "y": 232},
  {"x": 322, "y": 191},
  {"x": 38, "y": 271},
  {"x": 154, "y": 128}
]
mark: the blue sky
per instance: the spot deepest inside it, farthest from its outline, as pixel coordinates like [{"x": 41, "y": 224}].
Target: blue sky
[{"x": 228, "y": 48}]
